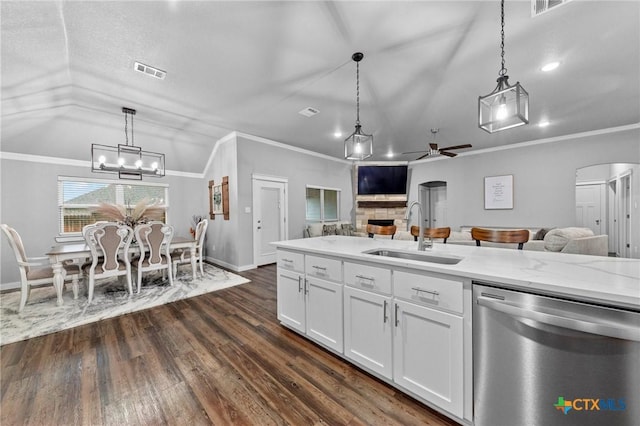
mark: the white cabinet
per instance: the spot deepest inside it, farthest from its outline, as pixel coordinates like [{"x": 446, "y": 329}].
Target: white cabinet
[
  {"x": 428, "y": 338},
  {"x": 324, "y": 312},
  {"x": 310, "y": 304},
  {"x": 291, "y": 299},
  {"x": 428, "y": 354},
  {"x": 367, "y": 330}
]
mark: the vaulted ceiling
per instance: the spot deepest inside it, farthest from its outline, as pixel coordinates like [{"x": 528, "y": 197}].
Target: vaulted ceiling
[{"x": 68, "y": 68}]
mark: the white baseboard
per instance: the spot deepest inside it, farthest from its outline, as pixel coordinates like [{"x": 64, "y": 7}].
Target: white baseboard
[
  {"x": 10, "y": 286},
  {"x": 234, "y": 268}
]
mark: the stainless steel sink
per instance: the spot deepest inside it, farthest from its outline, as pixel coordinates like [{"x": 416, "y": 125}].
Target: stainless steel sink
[{"x": 419, "y": 256}]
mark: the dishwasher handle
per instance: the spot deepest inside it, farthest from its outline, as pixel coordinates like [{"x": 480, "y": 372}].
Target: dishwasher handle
[{"x": 616, "y": 330}]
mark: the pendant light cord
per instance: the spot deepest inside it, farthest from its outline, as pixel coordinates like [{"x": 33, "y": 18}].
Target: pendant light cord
[
  {"x": 358, "y": 93},
  {"x": 503, "y": 70}
]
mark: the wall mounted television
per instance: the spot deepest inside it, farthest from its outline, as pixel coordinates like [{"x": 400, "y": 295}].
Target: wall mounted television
[{"x": 382, "y": 180}]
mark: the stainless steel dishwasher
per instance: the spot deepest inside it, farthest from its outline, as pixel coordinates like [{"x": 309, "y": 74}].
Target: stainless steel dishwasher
[{"x": 540, "y": 360}]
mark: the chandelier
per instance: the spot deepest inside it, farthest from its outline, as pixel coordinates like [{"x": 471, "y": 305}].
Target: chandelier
[
  {"x": 358, "y": 145},
  {"x": 507, "y": 106},
  {"x": 128, "y": 161}
]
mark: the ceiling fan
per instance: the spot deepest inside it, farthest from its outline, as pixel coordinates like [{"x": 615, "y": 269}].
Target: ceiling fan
[{"x": 434, "y": 150}]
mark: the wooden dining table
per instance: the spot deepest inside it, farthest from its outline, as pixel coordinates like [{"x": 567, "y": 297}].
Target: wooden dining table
[{"x": 60, "y": 253}]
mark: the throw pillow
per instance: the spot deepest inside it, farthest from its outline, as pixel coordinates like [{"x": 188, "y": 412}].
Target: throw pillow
[
  {"x": 347, "y": 229},
  {"x": 329, "y": 230},
  {"x": 557, "y": 238},
  {"x": 541, "y": 233}
]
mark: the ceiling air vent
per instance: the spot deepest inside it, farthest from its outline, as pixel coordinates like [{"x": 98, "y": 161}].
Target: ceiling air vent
[
  {"x": 309, "y": 112},
  {"x": 541, "y": 6},
  {"x": 148, "y": 70}
]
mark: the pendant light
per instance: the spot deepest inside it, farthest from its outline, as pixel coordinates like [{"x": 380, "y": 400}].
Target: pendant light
[
  {"x": 127, "y": 161},
  {"x": 358, "y": 145},
  {"x": 507, "y": 106}
]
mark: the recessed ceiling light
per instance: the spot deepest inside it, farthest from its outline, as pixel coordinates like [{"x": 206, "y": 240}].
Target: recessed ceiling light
[
  {"x": 337, "y": 134},
  {"x": 544, "y": 123},
  {"x": 550, "y": 66},
  {"x": 390, "y": 154}
]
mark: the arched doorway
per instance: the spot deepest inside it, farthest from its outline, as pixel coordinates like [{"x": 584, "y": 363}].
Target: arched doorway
[{"x": 433, "y": 196}]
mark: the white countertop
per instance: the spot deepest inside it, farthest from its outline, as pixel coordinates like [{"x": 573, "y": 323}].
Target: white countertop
[{"x": 606, "y": 280}]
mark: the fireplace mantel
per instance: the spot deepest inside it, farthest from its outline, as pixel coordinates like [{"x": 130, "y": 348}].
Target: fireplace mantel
[{"x": 384, "y": 204}]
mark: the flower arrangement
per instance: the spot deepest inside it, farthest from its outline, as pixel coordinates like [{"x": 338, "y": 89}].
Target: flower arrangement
[
  {"x": 195, "y": 220},
  {"x": 144, "y": 211}
]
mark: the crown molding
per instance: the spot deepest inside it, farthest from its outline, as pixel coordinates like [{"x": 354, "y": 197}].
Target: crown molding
[{"x": 562, "y": 138}]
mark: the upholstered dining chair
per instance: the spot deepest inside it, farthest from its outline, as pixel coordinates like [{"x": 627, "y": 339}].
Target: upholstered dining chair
[
  {"x": 381, "y": 230},
  {"x": 431, "y": 233},
  {"x": 519, "y": 236},
  {"x": 109, "y": 244},
  {"x": 154, "y": 239},
  {"x": 36, "y": 270},
  {"x": 182, "y": 256}
]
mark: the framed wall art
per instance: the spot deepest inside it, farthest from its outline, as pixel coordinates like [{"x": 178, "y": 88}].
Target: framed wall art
[{"x": 498, "y": 192}]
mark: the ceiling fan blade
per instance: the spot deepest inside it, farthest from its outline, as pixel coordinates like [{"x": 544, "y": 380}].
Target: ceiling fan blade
[
  {"x": 433, "y": 146},
  {"x": 456, "y": 147},
  {"x": 421, "y": 157},
  {"x": 414, "y": 152},
  {"x": 448, "y": 154}
]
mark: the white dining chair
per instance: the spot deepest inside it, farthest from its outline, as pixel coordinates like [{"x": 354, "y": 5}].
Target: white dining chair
[
  {"x": 154, "y": 239},
  {"x": 36, "y": 270},
  {"x": 109, "y": 244},
  {"x": 182, "y": 256}
]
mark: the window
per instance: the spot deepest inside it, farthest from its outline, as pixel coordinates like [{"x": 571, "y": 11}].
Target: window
[
  {"x": 323, "y": 204},
  {"x": 76, "y": 197}
]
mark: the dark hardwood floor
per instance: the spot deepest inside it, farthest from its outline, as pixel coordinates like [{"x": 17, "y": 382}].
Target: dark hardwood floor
[{"x": 221, "y": 358}]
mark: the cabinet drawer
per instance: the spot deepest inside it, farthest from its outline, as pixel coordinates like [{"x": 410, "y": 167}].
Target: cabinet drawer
[
  {"x": 291, "y": 260},
  {"x": 323, "y": 267},
  {"x": 427, "y": 290},
  {"x": 367, "y": 277}
]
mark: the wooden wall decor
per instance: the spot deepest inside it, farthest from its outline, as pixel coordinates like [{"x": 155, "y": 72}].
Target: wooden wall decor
[
  {"x": 225, "y": 197},
  {"x": 219, "y": 198}
]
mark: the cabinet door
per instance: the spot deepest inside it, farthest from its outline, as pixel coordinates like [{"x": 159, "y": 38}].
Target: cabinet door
[
  {"x": 291, "y": 299},
  {"x": 428, "y": 354},
  {"x": 324, "y": 312},
  {"x": 367, "y": 330}
]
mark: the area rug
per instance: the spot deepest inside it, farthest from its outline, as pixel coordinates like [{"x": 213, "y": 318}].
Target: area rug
[{"x": 42, "y": 316}]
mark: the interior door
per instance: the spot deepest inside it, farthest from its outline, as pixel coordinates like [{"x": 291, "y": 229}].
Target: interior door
[
  {"x": 438, "y": 207},
  {"x": 269, "y": 216},
  {"x": 588, "y": 207}
]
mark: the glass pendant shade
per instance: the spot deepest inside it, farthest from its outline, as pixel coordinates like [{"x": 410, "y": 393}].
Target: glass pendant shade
[
  {"x": 506, "y": 107},
  {"x": 358, "y": 145}
]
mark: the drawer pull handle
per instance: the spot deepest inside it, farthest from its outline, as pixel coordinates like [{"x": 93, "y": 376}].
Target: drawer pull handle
[
  {"x": 396, "y": 315},
  {"x": 364, "y": 277},
  {"x": 287, "y": 260},
  {"x": 419, "y": 290},
  {"x": 306, "y": 286},
  {"x": 320, "y": 269},
  {"x": 384, "y": 313},
  {"x": 300, "y": 284}
]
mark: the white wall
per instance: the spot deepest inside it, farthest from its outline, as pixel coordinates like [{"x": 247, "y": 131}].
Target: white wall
[
  {"x": 29, "y": 203},
  {"x": 544, "y": 177}
]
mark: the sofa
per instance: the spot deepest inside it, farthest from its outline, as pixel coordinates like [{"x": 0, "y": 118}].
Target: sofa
[{"x": 561, "y": 240}]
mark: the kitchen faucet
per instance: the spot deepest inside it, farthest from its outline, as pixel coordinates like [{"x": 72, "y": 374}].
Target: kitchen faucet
[{"x": 421, "y": 243}]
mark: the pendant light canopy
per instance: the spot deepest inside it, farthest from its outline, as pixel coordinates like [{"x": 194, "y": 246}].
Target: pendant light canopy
[
  {"x": 507, "y": 106},
  {"x": 358, "y": 145}
]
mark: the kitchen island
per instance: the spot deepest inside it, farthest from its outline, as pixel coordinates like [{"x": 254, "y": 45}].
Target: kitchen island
[{"x": 408, "y": 320}]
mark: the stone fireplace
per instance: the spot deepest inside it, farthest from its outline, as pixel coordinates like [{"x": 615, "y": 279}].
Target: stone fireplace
[{"x": 388, "y": 208}]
